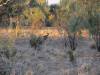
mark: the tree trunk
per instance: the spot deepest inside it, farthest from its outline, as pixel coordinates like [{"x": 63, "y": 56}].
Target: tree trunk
[{"x": 96, "y": 38}]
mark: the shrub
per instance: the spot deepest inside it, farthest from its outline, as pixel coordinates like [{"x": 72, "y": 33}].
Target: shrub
[
  {"x": 7, "y": 52},
  {"x": 6, "y": 48}
]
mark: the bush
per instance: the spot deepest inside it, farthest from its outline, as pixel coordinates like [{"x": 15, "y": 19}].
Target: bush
[
  {"x": 7, "y": 54},
  {"x": 6, "y": 48}
]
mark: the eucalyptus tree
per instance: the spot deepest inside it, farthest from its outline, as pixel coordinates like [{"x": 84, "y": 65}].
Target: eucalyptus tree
[
  {"x": 43, "y": 9},
  {"x": 71, "y": 19},
  {"x": 12, "y": 8},
  {"x": 67, "y": 20},
  {"x": 86, "y": 14},
  {"x": 79, "y": 14},
  {"x": 90, "y": 13},
  {"x": 3, "y": 8}
]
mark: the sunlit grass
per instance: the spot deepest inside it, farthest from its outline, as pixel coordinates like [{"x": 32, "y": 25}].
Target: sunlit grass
[{"x": 19, "y": 32}]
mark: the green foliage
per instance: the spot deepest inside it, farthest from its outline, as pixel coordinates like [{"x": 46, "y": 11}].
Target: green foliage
[
  {"x": 91, "y": 16},
  {"x": 14, "y": 9},
  {"x": 6, "y": 48},
  {"x": 43, "y": 11},
  {"x": 33, "y": 3},
  {"x": 93, "y": 23},
  {"x": 73, "y": 25}
]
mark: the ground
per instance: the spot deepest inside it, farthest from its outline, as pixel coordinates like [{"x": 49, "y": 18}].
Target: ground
[{"x": 52, "y": 58}]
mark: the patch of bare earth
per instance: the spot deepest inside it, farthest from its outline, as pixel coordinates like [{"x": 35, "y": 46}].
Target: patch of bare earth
[{"x": 52, "y": 59}]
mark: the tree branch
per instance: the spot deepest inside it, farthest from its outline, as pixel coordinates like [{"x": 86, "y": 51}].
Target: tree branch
[{"x": 5, "y": 3}]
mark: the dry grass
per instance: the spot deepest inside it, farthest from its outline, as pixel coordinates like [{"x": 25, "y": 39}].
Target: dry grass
[
  {"x": 51, "y": 53},
  {"x": 21, "y": 32}
]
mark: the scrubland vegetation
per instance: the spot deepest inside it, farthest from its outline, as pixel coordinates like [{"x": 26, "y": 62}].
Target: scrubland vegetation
[{"x": 60, "y": 39}]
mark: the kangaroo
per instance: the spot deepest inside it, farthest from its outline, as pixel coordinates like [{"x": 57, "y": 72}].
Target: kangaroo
[{"x": 39, "y": 41}]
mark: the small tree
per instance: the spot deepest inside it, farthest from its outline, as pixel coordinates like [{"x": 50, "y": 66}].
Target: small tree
[
  {"x": 44, "y": 11},
  {"x": 91, "y": 15}
]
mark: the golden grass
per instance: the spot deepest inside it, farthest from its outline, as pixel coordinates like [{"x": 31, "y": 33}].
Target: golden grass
[{"x": 21, "y": 32}]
